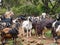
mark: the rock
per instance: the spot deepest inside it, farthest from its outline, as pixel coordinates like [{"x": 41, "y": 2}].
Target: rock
[
  {"x": 39, "y": 44},
  {"x": 28, "y": 44},
  {"x": 32, "y": 41},
  {"x": 22, "y": 39}
]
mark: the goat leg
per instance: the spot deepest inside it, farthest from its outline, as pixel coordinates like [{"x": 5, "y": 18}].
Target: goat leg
[
  {"x": 14, "y": 41},
  {"x": 30, "y": 33},
  {"x": 43, "y": 35},
  {"x": 27, "y": 33},
  {"x": 3, "y": 41}
]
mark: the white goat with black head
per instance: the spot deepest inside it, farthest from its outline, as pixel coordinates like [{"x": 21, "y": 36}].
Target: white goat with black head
[{"x": 27, "y": 25}]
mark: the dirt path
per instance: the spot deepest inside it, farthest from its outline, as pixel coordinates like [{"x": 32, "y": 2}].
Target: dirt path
[{"x": 36, "y": 41}]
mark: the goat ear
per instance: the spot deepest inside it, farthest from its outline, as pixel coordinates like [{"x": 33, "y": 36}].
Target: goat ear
[{"x": 30, "y": 20}]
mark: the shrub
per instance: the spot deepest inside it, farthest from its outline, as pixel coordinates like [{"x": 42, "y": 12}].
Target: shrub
[{"x": 48, "y": 34}]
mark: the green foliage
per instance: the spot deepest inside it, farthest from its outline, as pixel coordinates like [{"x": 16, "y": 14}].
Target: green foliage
[
  {"x": 31, "y": 7},
  {"x": 53, "y": 44},
  {"x": 16, "y": 11},
  {"x": 10, "y": 42},
  {"x": 39, "y": 8},
  {"x": 58, "y": 10},
  {"x": 48, "y": 34},
  {"x": 25, "y": 9},
  {"x": 2, "y": 11},
  {"x": 33, "y": 31}
]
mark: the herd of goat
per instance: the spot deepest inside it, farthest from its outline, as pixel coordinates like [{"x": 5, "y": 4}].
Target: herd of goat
[{"x": 9, "y": 27}]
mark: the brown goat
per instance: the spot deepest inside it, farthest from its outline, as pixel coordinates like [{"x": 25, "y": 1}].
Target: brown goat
[{"x": 6, "y": 35}]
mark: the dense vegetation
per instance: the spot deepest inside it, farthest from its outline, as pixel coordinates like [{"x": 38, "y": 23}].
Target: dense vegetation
[{"x": 31, "y": 7}]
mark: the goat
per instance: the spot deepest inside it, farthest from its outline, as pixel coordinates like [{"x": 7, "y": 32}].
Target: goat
[{"x": 8, "y": 33}]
